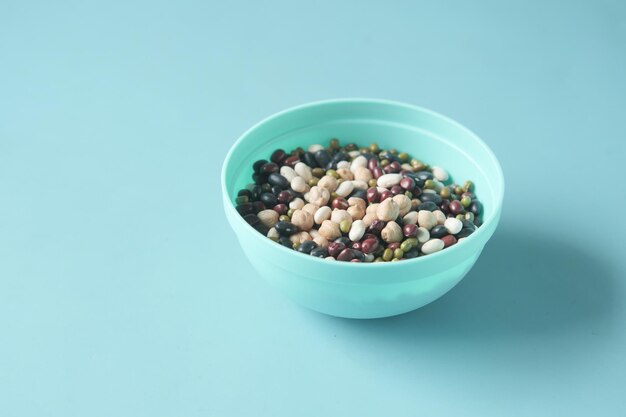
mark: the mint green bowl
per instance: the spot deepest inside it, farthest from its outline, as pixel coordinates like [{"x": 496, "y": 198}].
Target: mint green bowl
[{"x": 359, "y": 290}]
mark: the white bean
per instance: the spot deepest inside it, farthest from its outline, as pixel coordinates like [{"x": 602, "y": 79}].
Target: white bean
[
  {"x": 315, "y": 147},
  {"x": 358, "y": 162},
  {"x": 344, "y": 189},
  {"x": 357, "y": 230},
  {"x": 453, "y": 225},
  {"x": 423, "y": 235},
  {"x": 322, "y": 213},
  {"x": 288, "y": 172},
  {"x": 440, "y": 173},
  {"x": 304, "y": 171},
  {"x": 432, "y": 246},
  {"x": 426, "y": 219},
  {"x": 299, "y": 185},
  {"x": 388, "y": 180}
]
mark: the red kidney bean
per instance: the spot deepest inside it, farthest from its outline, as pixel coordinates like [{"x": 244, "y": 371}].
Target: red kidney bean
[
  {"x": 268, "y": 168},
  {"x": 373, "y": 196},
  {"x": 372, "y": 163},
  {"x": 456, "y": 207},
  {"x": 448, "y": 240},
  {"x": 410, "y": 230},
  {"x": 335, "y": 248},
  {"x": 345, "y": 255},
  {"x": 281, "y": 208},
  {"x": 292, "y": 160},
  {"x": 385, "y": 195},
  {"x": 356, "y": 246},
  {"x": 396, "y": 189},
  {"x": 369, "y": 236},
  {"x": 377, "y": 172},
  {"x": 370, "y": 245},
  {"x": 285, "y": 196},
  {"x": 407, "y": 183},
  {"x": 376, "y": 227},
  {"x": 356, "y": 260},
  {"x": 278, "y": 156},
  {"x": 394, "y": 245},
  {"x": 340, "y": 203}
]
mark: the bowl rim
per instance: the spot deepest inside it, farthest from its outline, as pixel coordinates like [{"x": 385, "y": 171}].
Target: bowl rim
[{"x": 493, "y": 217}]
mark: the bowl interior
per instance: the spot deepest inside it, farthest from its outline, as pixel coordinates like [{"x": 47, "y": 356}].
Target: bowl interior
[{"x": 425, "y": 135}]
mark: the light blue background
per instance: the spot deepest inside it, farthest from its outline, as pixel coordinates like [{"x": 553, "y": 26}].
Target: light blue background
[{"x": 123, "y": 292}]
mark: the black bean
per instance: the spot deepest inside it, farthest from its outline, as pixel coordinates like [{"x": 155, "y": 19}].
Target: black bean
[
  {"x": 343, "y": 240},
  {"x": 309, "y": 159},
  {"x": 269, "y": 199},
  {"x": 276, "y": 190},
  {"x": 331, "y": 165},
  {"x": 389, "y": 156},
  {"x": 424, "y": 175},
  {"x": 256, "y": 167},
  {"x": 258, "y": 206},
  {"x": 242, "y": 199},
  {"x": 307, "y": 246},
  {"x": 435, "y": 198},
  {"x": 358, "y": 254},
  {"x": 252, "y": 219},
  {"x": 244, "y": 209},
  {"x": 319, "y": 252},
  {"x": 362, "y": 194},
  {"x": 259, "y": 178},
  {"x": 476, "y": 207},
  {"x": 286, "y": 242},
  {"x": 322, "y": 157},
  {"x": 266, "y": 188},
  {"x": 469, "y": 225},
  {"x": 438, "y": 231},
  {"x": 276, "y": 179},
  {"x": 286, "y": 228},
  {"x": 465, "y": 232},
  {"x": 413, "y": 253},
  {"x": 478, "y": 221},
  {"x": 429, "y": 205},
  {"x": 244, "y": 193},
  {"x": 340, "y": 156},
  {"x": 261, "y": 228}
]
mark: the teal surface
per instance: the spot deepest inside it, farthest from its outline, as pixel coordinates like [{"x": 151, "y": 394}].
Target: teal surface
[
  {"x": 376, "y": 290},
  {"x": 122, "y": 288}
]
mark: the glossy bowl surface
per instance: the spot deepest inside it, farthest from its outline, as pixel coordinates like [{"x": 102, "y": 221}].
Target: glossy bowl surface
[{"x": 371, "y": 290}]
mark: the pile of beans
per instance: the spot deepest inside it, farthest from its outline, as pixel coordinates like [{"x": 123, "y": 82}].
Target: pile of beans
[{"x": 356, "y": 204}]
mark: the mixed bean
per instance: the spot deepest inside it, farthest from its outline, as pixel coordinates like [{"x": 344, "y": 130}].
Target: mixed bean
[{"x": 356, "y": 204}]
